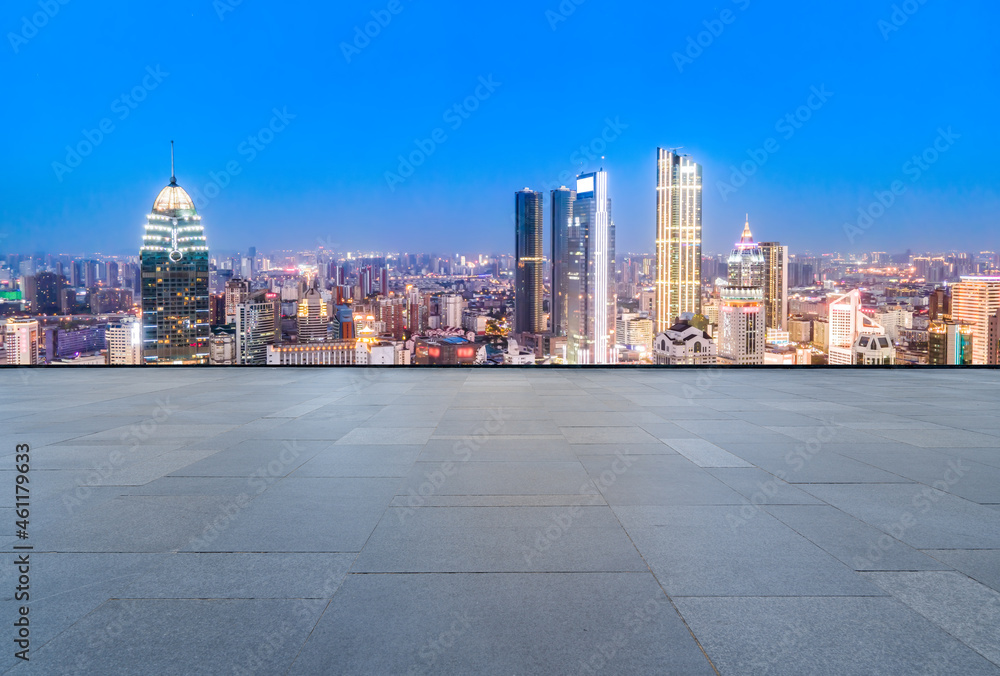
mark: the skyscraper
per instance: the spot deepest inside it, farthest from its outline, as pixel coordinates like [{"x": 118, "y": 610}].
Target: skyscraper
[
  {"x": 593, "y": 305},
  {"x": 678, "y": 237},
  {"x": 746, "y": 262},
  {"x": 174, "y": 258},
  {"x": 563, "y": 200},
  {"x": 846, "y": 323},
  {"x": 973, "y": 301},
  {"x": 529, "y": 259},
  {"x": 21, "y": 342},
  {"x": 775, "y": 285},
  {"x": 258, "y": 324},
  {"x": 741, "y": 325},
  {"x": 313, "y": 317}
]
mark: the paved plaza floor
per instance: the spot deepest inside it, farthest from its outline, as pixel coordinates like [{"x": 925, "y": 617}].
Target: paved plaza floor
[{"x": 492, "y": 521}]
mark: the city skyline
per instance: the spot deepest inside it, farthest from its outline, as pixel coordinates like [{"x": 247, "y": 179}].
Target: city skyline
[{"x": 272, "y": 142}]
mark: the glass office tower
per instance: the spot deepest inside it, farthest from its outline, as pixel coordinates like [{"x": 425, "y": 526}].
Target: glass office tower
[
  {"x": 593, "y": 303},
  {"x": 529, "y": 261},
  {"x": 562, "y": 223}
]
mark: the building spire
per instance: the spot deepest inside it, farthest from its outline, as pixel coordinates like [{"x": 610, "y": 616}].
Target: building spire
[
  {"x": 173, "y": 176},
  {"x": 747, "y": 237}
]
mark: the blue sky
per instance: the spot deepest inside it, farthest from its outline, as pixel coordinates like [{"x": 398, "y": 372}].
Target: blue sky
[{"x": 212, "y": 74}]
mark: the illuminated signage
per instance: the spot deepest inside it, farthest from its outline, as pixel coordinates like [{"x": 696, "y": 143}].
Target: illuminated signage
[{"x": 585, "y": 185}]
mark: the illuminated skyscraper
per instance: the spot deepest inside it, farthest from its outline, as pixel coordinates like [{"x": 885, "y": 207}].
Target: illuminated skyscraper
[
  {"x": 529, "y": 259},
  {"x": 313, "y": 317},
  {"x": 678, "y": 238},
  {"x": 775, "y": 285},
  {"x": 746, "y": 262},
  {"x": 741, "y": 326},
  {"x": 973, "y": 301},
  {"x": 174, "y": 258},
  {"x": 562, "y": 223},
  {"x": 593, "y": 306}
]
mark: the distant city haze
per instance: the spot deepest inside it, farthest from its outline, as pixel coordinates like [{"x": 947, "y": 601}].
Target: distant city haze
[{"x": 407, "y": 126}]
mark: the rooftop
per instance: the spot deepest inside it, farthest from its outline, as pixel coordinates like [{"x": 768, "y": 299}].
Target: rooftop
[{"x": 463, "y": 521}]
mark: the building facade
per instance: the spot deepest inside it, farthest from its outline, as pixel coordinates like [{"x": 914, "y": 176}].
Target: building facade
[
  {"x": 974, "y": 301},
  {"x": 678, "y": 237},
  {"x": 684, "y": 345}
]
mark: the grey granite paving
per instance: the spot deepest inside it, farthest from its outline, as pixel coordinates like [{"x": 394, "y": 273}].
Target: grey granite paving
[{"x": 417, "y": 521}]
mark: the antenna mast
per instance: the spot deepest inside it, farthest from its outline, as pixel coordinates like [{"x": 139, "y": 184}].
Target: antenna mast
[{"x": 173, "y": 176}]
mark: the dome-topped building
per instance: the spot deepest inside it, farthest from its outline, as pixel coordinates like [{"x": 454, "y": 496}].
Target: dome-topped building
[
  {"x": 174, "y": 201},
  {"x": 174, "y": 259}
]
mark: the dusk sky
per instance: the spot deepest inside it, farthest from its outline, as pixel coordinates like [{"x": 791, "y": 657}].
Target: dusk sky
[{"x": 212, "y": 75}]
